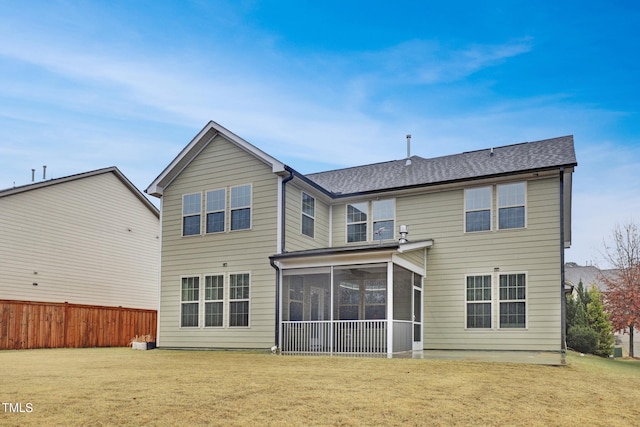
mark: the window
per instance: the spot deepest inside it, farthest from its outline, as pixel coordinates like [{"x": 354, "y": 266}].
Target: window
[
  {"x": 191, "y": 207},
  {"x": 357, "y": 222},
  {"x": 215, "y": 210},
  {"x": 511, "y": 203},
  {"x": 213, "y": 300},
  {"x": 308, "y": 214},
  {"x": 383, "y": 219},
  {"x": 241, "y": 207},
  {"x": 477, "y": 203},
  {"x": 239, "y": 300},
  {"x": 512, "y": 300},
  {"x": 190, "y": 297},
  {"x": 478, "y": 301}
]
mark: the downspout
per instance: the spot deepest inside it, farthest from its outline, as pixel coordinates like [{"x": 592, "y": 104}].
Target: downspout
[
  {"x": 563, "y": 297},
  {"x": 281, "y": 249}
]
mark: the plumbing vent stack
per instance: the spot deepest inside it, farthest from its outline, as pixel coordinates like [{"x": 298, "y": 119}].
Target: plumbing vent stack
[{"x": 408, "y": 162}]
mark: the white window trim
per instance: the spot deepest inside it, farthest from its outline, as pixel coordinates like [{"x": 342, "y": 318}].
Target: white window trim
[
  {"x": 183, "y": 216},
  {"x": 250, "y": 206},
  {"x": 370, "y": 234},
  {"x": 198, "y": 301},
  {"x": 498, "y": 207},
  {"x": 229, "y": 301},
  {"x": 490, "y": 301},
  {"x": 205, "y": 300},
  {"x": 224, "y": 210},
  {"x": 303, "y": 214},
  {"x": 495, "y": 302},
  {"x": 464, "y": 214},
  {"x": 526, "y": 300}
]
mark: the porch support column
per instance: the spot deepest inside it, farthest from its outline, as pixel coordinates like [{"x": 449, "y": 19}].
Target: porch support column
[{"x": 389, "y": 309}]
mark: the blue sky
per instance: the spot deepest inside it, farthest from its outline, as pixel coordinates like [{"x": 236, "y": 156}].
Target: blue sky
[{"x": 324, "y": 85}]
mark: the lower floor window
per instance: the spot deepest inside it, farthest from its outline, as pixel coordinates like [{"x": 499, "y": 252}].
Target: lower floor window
[
  {"x": 239, "y": 299},
  {"x": 190, "y": 301},
  {"x": 511, "y": 301},
  {"x": 479, "y": 301},
  {"x": 208, "y": 306}
]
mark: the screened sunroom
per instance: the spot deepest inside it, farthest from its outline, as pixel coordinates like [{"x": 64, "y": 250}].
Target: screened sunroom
[{"x": 351, "y": 301}]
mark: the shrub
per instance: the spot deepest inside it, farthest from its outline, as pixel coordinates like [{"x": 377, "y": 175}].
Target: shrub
[{"x": 582, "y": 339}]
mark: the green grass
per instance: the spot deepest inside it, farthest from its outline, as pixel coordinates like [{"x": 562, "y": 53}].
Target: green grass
[{"x": 120, "y": 386}]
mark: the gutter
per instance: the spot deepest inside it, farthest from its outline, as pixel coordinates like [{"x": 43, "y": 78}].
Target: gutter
[
  {"x": 282, "y": 248},
  {"x": 563, "y": 297}
]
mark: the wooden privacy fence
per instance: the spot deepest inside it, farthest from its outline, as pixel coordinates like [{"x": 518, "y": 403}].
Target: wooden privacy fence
[{"x": 25, "y": 325}]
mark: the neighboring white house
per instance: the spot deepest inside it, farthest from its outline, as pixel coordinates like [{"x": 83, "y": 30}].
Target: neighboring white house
[
  {"x": 91, "y": 238},
  {"x": 461, "y": 252}
]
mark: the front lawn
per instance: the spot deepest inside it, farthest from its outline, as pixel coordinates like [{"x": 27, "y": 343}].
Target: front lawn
[{"x": 120, "y": 386}]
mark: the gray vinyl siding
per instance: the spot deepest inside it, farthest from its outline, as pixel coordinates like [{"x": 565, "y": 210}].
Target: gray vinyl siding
[
  {"x": 84, "y": 241},
  {"x": 221, "y": 165},
  {"x": 295, "y": 240},
  {"x": 534, "y": 250}
]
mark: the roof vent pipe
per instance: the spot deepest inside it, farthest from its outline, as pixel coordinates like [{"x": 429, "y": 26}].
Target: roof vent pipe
[
  {"x": 33, "y": 175},
  {"x": 408, "y": 150},
  {"x": 44, "y": 172}
]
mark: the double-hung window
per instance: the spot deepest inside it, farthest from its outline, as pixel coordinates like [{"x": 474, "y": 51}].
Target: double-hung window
[
  {"x": 381, "y": 222},
  {"x": 357, "y": 222},
  {"x": 383, "y": 219},
  {"x": 478, "y": 302},
  {"x": 308, "y": 215},
  {"x": 511, "y": 205},
  {"x": 190, "y": 302},
  {"x": 477, "y": 202},
  {"x": 215, "y": 210},
  {"x": 213, "y": 300},
  {"x": 191, "y": 208},
  {"x": 241, "y": 207},
  {"x": 513, "y": 306},
  {"x": 239, "y": 300}
]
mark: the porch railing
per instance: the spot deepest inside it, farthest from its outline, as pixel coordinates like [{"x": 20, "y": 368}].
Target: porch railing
[{"x": 339, "y": 336}]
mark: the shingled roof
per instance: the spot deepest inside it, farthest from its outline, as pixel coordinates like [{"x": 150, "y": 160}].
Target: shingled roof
[{"x": 528, "y": 156}]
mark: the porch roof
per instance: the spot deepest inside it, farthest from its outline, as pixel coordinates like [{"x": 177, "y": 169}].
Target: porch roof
[{"x": 359, "y": 249}]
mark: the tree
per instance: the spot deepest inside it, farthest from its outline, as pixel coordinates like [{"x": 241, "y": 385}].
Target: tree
[
  {"x": 599, "y": 323},
  {"x": 588, "y": 327},
  {"x": 622, "y": 297}
]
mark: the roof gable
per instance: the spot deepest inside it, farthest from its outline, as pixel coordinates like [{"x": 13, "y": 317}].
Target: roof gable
[
  {"x": 510, "y": 159},
  {"x": 195, "y": 147},
  {"x": 56, "y": 181}
]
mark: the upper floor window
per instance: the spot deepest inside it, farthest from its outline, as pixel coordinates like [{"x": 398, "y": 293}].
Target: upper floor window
[
  {"x": 241, "y": 207},
  {"x": 308, "y": 215},
  {"x": 381, "y": 222},
  {"x": 511, "y": 205},
  {"x": 477, "y": 202},
  {"x": 191, "y": 207},
  {"x": 383, "y": 219},
  {"x": 215, "y": 210},
  {"x": 357, "y": 222}
]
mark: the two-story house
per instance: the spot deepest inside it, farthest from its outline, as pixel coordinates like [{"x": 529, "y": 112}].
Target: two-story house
[{"x": 456, "y": 252}]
